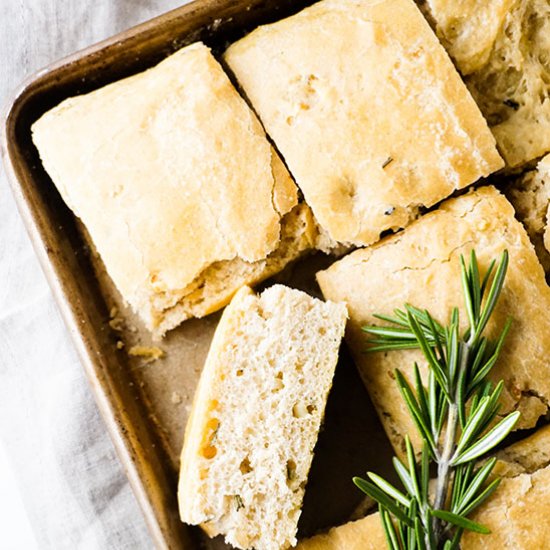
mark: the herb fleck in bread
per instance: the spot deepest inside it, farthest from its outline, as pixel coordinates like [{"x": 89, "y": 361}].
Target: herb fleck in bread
[
  {"x": 502, "y": 49},
  {"x": 420, "y": 266},
  {"x": 257, "y": 411},
  {"x": 517, "y": 513},
  {"x": 181, "y": 192},
  {"x": 368, "y": 111}
]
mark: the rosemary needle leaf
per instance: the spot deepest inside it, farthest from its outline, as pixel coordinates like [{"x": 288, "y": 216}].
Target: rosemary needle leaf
[
  {"x": 476, "y": 285},
  {"x": 422, "y": 397},
  {"x": 389, "y": 529},
  {"x": 425, "y": 474},
  {"x": 411, "y": 535},
  {"x": 403, "y": 474},
  {"x": 467, "y": 290},
  {"x": 473, "y": 424},
  {"x": 389, "y": 319},
  {"x": 467, "y": 470},
  {"x": 479, "y": 479},
  {"x": 439, "y": 373},
  {"x": 455, "y": 490},
  {"x": 382, "y": 498},
  {"x": 392, "y": 346},
  {"x": 422, "y": 422},
  {"x": 412, "y": 469},
  {"x": 492, "y": 297},
  {"x": 389, "y": 489},
  {"x": 482, "y": 372},
  {"x": 478, "y": 358},
  {"x": 455, "y": 543},
  {"x": 453, "y": 352},
  {"x": 488, "y": 441},
  {"x": 419, "y": 534},
  {"x": 460, "y": 521},
  {"x": 390, "y": 332},
  {"x": 434, "y": 331},
  {"x": 489, "y": 490}
]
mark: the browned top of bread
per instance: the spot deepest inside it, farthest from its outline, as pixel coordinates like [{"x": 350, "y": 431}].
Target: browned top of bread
[
  {"x": 367, "y": 110},
  {"x": 421, "y": 266},
  {"x": 171, "y": 172}
]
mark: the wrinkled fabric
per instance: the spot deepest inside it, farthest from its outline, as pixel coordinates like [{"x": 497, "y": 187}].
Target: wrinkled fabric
[{"x": 71, "y": 483}]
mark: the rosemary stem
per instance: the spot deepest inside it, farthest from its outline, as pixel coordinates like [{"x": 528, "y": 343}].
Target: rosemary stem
[
  {"x": 444, "y": 465},
  {"x": 444, "y": 469}
]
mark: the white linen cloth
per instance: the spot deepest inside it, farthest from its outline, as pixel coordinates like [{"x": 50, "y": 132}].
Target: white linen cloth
[{"x": 72, "y": 486}]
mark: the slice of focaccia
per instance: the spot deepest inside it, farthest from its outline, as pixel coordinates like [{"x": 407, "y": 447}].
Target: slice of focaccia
[
  {"x": 517, "y": 513},
  {"x": 501, "y": 47},
  {"x": 177, "y": 185},
  {"x": 249, "y": 440},
  {"x": 368, "y": 111},
  {"x": 420, "y": 266}
]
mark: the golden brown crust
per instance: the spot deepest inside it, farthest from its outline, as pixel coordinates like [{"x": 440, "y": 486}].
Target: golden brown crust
[
  {"x": 420, "y": 266},
  {"x": 364, "y": 534},
  {"x": 368, "y": 139},
  {"x": 501, "y": 47},
  {"x": 171, "y": 172}
]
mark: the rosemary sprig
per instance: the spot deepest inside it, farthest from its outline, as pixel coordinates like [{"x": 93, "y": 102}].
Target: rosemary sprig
[{"x": 454, "y": 413}]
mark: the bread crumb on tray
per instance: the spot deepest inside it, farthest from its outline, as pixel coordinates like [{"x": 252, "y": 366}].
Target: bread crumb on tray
[{"x": 148, "y": 353}]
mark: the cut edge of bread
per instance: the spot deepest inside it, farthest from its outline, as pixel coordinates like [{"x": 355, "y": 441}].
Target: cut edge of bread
[
  {"x": 218, "y": 283},
  {"x": 530, "y": 197}
]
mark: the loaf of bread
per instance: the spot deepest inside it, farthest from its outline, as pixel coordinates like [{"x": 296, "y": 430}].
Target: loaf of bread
[
  {"x": 529, "y": 193},
  {"x": 257, "y": 411},
  {"x": 517, "y": 513},
  {"x": 502, "y": 49},
  {"x": 420, "y": 266},
  {"x": 368, "y": 111},
  {"x": 177, "y": 185}
]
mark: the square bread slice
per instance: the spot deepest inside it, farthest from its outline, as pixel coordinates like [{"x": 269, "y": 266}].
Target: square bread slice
[
  {"x": 502, "y": 49},
  {"x": 530, "y": 196},
  {"x": 368, "y": 111},
  {"x": 420, "y": 266},
  {"x": 517, "y": 513},
  {"x": 172, "y": 175},
  {"x": 260, "y": 401}
]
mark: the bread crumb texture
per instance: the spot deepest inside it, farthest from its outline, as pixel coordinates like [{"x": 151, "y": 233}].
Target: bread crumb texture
[
  {"x": 173, "y": 176},
  {"x": 530, "y": 196},
  {"x": 420, "y": 266},
  {"x": 368, "y": 111},
  {"x": 517, "y": 513},
  {"x": 502, "y": 47},
  {"x": 257, "y": 411}
]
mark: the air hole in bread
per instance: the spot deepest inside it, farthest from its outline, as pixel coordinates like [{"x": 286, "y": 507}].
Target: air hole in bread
[
  {"x": 299, "y": 410},
  {"x": 240, "y": 372},
  {"x": 311, "y": 409},
  {"x": 278, "y": 385},
  {"x": 290, "y": 470}
]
